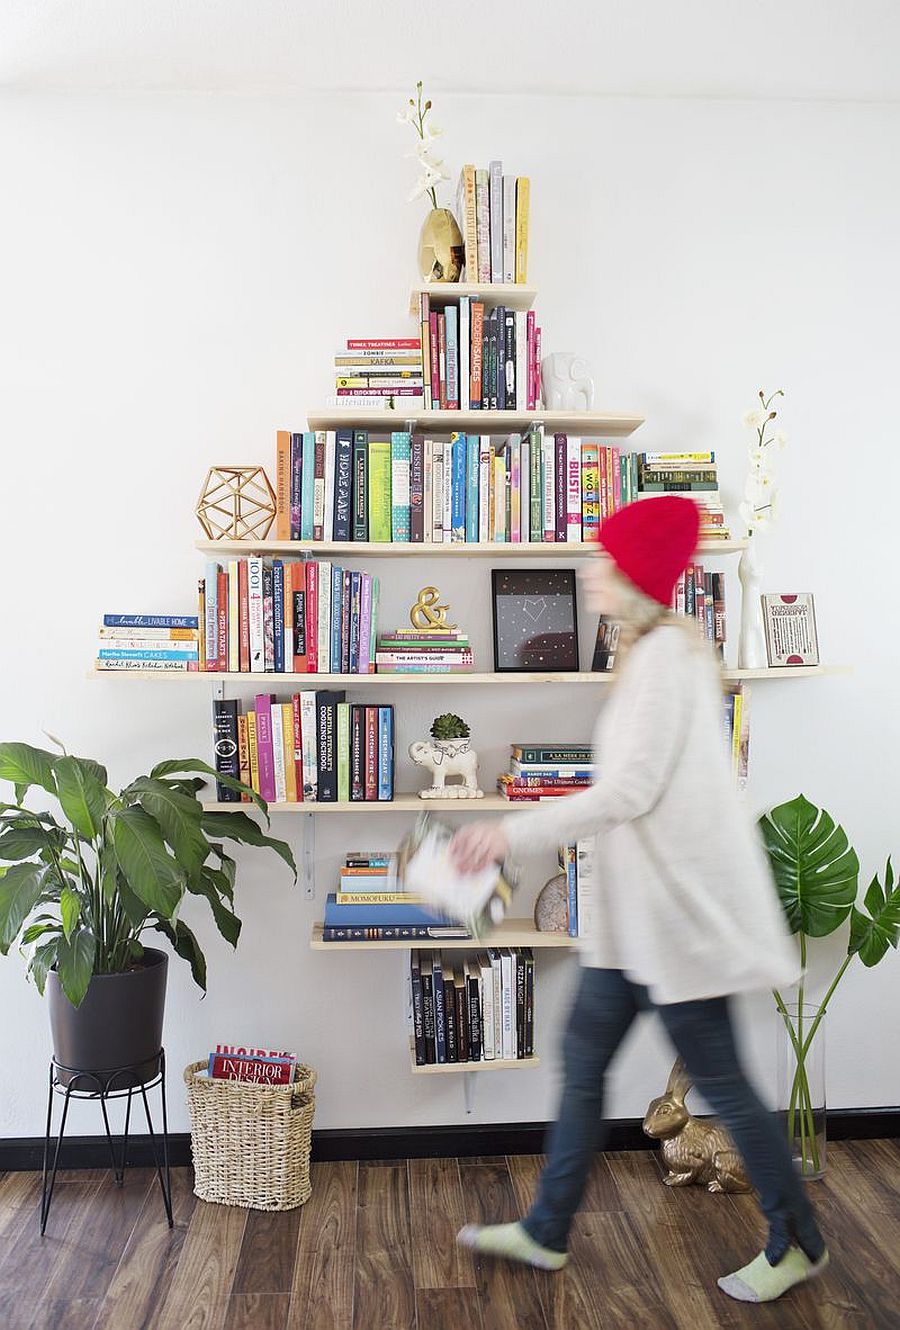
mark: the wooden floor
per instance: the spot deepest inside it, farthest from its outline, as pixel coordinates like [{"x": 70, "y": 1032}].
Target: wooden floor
[{"x": 373, "y": 1250}]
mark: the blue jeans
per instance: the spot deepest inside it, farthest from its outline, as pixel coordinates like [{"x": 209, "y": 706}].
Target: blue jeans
[{"x": 606, "y": 1005}]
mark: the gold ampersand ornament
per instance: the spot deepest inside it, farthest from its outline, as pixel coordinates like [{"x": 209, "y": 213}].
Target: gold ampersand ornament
[{"x": 426, "y": 614}]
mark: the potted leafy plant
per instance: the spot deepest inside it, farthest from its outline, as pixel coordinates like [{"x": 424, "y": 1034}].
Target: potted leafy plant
[
  {"x": 448, "y": 728},
  {"x": 817, "y": 875},
  {"x": 79, "y": 891}
]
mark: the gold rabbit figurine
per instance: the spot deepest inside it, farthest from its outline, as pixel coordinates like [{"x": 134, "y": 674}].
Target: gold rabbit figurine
[{"x": 695, "y": 1150}]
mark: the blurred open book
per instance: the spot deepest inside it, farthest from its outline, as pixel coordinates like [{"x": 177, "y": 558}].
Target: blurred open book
[{"x": 424, "y": 865}]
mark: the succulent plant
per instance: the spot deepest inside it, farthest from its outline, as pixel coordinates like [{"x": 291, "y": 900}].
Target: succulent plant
[{"x": 449, "y": 726}]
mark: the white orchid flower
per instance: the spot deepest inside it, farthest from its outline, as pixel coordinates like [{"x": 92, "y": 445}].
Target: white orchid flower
[
  {"x": 746, "y": 514},
  {"x": 421, "y": 187},
  {"x": 430, "y": 131},
  {"x": 407, "y": 115},
  {"x": 780, "y": 439},
  {"x": 754, "y": 418}
]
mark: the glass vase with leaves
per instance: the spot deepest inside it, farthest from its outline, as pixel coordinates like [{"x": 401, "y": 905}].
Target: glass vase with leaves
[{"x": 817, "y": 875}]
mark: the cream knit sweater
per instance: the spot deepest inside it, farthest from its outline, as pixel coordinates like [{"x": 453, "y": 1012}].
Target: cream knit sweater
[{"x": 686, "y": 904}]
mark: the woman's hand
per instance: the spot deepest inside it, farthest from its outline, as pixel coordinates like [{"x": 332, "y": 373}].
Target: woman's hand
[{"x": 477, "y": 845}]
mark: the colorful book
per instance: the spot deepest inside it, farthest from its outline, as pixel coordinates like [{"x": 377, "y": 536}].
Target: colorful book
[
  {"x": 380, "y": 508},
  {"x": 400, "y": 486}
]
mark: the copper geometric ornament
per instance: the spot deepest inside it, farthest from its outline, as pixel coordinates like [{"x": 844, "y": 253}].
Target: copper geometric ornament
[{"x": 236, "y": 503}]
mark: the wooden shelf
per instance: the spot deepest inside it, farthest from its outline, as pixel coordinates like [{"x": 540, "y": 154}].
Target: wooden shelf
[
  {"x": 271, "y": 681},
  {"x": 511, "y": 933},
  {"x": 607, "y": 424},
  {"x": 495, "y": 1064},
  {"x": 514, "y": 295},
  {"x": 366, "y": 549},
  {"x": 402, "y": 803}
]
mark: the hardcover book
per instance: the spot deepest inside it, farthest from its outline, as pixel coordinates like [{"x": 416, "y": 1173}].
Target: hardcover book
[{"x": 790, "y": 624}]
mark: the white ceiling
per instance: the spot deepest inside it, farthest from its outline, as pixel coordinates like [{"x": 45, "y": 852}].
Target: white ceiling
[{"x": 819, "y": 49}]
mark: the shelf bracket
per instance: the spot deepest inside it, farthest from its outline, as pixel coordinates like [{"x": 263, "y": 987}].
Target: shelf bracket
[
  {"x": 309, "y": 856},
  {"x": 218, "y": 689},
  {"x": 469, "y": 1081}
]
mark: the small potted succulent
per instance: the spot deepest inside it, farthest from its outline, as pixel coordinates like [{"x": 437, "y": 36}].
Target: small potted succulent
[
  {"x": 81, "y": 885},
  {"x": 448, "y": 753}
]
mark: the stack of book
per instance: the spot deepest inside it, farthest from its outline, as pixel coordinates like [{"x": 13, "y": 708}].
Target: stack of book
[
  {"x": 546, "y": 771},
  {"x": 266, "y": 616},
  {"x": 701, "y": 595},
  {"x": 361, "y": 485},
  {"x": 418, "y": 651},
  {"x": 366, "y": 907},
  {"x": 255, "y": 1065},
  {"x": 476, "y": 358},
  {"x": 315, "y": 748},
  {"x": 477, "y": 1009},
  {"x": 379, "y": 371},
  {"x": 148, "y": 642},
  {"x": 578, "y": 863},
  {"x": 693, "y": 475},
  {"x": 492, "y": 210}
]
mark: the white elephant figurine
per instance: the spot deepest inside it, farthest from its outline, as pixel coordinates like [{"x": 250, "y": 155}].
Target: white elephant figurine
[
  {"x": 566, "y": 382},
  {"x": 448, "y": 757}
]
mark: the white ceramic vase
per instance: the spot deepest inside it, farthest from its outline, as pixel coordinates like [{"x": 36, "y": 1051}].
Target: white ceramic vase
[{"x": 752, "y": 644}]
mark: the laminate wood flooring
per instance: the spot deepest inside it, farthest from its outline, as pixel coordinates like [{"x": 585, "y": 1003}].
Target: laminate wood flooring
[{"x": 374, "y": 1249}]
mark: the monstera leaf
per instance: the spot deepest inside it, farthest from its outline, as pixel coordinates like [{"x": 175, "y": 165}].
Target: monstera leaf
[
  {"x": 816, "y": 869},
  {"x": 872, "y": 935}
]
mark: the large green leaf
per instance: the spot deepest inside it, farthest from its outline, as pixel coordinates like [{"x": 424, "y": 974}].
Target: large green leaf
[
  {"x": 186, "y": 946},
  {"x": 82, "y": 793},
  {"x": 21, "y": 842},
  {"x": 179, "y": 818},
  {"x": 177, "y": 765},
  {"x": 43, "y": 958},
  {"x": 26, "y": 766},
  {"x": 872, "y": 936},
  {"x": 153, "y": 875},
  {"x": 75, "y": 963},
  {"x": 240, "y": 827},
  {"x": 228, "y": 924},
  {"x": 70, "y": 909},
  {"x": 816, "y": 870},
  {"x": 20, "y": 891}
]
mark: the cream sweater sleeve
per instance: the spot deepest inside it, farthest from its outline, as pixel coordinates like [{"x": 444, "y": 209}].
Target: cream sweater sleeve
[{"x": 651, "y": 715}]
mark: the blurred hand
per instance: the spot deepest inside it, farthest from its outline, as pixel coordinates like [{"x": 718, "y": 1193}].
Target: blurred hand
[{"x": 477, "y": 845}]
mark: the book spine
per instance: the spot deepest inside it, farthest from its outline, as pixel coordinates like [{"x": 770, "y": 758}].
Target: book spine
[
  {"x": 343, "y": 752},
  {"x": 451, "y": 318},
  {"x": 521, "y": 365},
  {"x": 462, "y": 1019},
  {"x": 265, "y": 751},
  {"x": 355, "y": 606},
  {"x": 418, "y": 1009},
  {"x": 253, "y": 750},
  {"x": 417, "y": 489},
  {"x": 290, "y": 765},
  {"x": 278, "y": 615},
  {"x": 428, "y": 1008},
  {"x": 296, "y": 484},
  {"x": 487, "y": 1010},
  {"x": 371, "y": 754},
  {"x": 515, "y": 482},
  {"x": 440, "y": 1018},
  {"x": 509, "y": 228},
  {"x": 519, "y": 962},
  {"x": 425, "y": 350},
  {"x": 278, "y": 753},
  {"x": 319, "y": 488},
  {"x": 330, "y": 473},
  {"x": 536, "y": 528},
  {"x": 435, "y": 361},
  {"x": 326, "y": 732},
  {"x": 151, "y": 621},
  {"x": 568, "y": 756},
  {"x": 376, "y": 593},
  {"x": 298, "y": 599},
  {"x": 336, "y": 622},
  {"x": 529, "y": 1003},
  {"x": 211, "y": 617},
  {"x": 465, "y": 346},
  {"x": 225, "y": 746},
  {"x": 343, "y": 485},
  {"x": 530, "y": 362},
  {"x": 483, "y": 224},
  {"x": 474, "y": 1012},
  {"x": 442, "y": 360},
  {"x": 380, "y": 511},
  {"x": 508, "y": 997},
  {"x": 502, "y": 377},
  {"x": 500, "y": 488},
  {"x": 476, "y": 370},
  {"x": 382, "y": 344},
  {"x": 484, "y": 488},
  {"x": 450, "y": 1017},
  {"x": 297, "y": 734},
  {"x": 573, "y": 490},
  {"x": 572, "y": 888},
  {"x": 523, "y": 202},
  {"x": 233, "y": 619},
  {"x": 346, "y": 620},
  {"x": 309, "y": 745},
  {"x": 308, "y": 485},
  {"x": 385, "y": 754},
  {"x": 509, "y": 359},
  {"x": 447, "y": 489},
  {"x": 468, "y": 220},
  {"x": 312, "y": 616},
  {"x": 561, "y": 488},
  {"x": 357, "y": 753},
  {"x": 255, "y": 1071},
  {"x": 268, "y": 608},
  {"x": 496, "y": 205},
  {"x": 365, "y": 622},
  {"x": 472, "y": 507},
  {"x": 400, "y": 487},
  {"x": 283, "y": 485},
  {"x": 323, "y": 626},
  {"x": 458, "y": 491},
  {"x": 590, "y": 493}
]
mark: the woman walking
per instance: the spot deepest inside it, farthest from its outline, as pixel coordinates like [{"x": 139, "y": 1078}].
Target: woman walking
[{"x": 688, "y": 914}]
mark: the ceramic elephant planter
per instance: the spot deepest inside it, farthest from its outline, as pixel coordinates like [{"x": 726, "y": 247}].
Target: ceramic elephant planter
[{"x": 448, "y": 757}]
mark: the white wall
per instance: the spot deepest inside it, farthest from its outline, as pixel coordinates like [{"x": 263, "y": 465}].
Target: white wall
[{"x": 178, "y": 270}]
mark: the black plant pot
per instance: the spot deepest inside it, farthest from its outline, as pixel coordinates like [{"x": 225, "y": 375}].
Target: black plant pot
[{"x": 119, "y": 1024}]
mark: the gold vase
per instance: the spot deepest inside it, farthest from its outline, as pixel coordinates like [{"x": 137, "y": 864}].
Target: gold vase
[{"x": 441, "y": 250}]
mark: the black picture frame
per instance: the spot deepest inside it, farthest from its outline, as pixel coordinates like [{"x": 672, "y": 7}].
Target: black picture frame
[{"x": 519, "y": 601}]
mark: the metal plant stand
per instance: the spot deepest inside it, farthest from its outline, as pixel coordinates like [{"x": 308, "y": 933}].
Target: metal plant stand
[{"x": 70, "y": 1082}]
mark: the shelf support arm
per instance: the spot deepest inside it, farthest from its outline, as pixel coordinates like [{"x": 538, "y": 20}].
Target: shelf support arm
[
  {"x": 309, "y": 856},
  {"x": 469, "y": 1081}
]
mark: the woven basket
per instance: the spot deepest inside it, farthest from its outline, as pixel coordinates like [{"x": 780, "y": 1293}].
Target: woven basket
[{"x": 251, "y": 1143}]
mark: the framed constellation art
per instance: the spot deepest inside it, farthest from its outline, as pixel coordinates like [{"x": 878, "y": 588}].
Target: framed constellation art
[{"x": 535, "y": 620}]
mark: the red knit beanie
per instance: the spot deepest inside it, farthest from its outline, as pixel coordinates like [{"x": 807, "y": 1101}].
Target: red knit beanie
[{"x": 652, "y": 542}]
